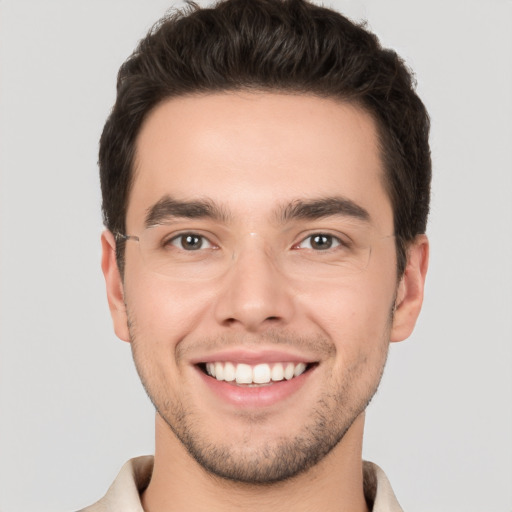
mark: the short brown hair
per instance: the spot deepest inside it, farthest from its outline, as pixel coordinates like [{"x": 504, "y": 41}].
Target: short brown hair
[{"x": 272, "y": 45}]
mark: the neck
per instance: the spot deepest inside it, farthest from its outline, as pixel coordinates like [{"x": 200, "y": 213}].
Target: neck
[{"x": 179, "y": 483}]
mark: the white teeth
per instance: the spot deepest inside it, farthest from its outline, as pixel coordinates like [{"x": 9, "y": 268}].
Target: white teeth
[
  {"x": 243, "y": 374},
  {"x": 229, "y": 372},
  {"x": 289, "y": 371},
  {"x": 219, "y": 371},
  {"x": 262, "y": 373},
  {"x": 299, "y": 369},
  {"x": 277, "y": 372}
]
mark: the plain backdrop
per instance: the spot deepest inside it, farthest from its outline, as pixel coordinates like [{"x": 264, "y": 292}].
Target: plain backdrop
[{"x": 72, "y": 409}]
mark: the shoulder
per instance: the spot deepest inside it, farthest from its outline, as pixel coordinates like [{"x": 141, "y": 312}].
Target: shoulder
[
  {"x": 377, "y": 489},
  {"x": 124, "y": 493}
]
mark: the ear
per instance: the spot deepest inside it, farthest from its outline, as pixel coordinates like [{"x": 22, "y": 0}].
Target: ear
[
  {"x": 409, "y": 297},
  {"x": 115, "y": 289}
]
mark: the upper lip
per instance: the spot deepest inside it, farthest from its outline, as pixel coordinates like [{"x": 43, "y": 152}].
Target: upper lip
[{"x": 253, "y": 357}]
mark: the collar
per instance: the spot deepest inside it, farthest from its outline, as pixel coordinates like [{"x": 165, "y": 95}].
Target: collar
[{"x": 124, "y": 494}]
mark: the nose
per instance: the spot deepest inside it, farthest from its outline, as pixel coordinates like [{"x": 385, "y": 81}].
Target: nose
[{"x": 254, "y": 295}]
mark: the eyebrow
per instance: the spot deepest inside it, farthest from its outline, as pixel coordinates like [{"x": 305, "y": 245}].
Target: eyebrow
[
  {"x": 168, "y": 208},
  {"x": 324, "y": 207}
]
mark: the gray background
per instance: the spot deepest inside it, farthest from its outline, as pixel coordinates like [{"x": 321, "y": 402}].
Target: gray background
[{"x": 71, "y": 407}]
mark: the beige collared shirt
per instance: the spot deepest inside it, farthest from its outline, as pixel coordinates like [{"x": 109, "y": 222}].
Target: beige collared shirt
[{"x": 124, "y": 494}]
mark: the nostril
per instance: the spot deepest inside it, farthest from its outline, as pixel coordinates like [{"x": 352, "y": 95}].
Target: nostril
[{"x": 231, "y": 321}]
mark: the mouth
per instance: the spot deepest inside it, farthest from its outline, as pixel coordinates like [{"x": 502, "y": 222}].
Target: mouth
[{"x": 256, "y": 375}]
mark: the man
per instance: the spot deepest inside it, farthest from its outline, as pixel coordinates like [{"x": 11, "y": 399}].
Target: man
[{"x": 265, "y": 175}]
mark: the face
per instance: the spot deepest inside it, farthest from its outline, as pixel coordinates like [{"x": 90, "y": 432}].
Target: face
[{"x": 259, "y": 295}]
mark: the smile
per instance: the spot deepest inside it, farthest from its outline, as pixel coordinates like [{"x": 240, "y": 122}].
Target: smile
[
  {"x": 246, "y": 374},
  {"x": 255, "y": 380}
]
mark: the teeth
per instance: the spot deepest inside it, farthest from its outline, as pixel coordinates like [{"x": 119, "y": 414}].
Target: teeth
[
  {"x": 277, "y": 372},
  {"x": 259, "y": 374},
  {"x": 299, "y": 369},
  {"x": 289, "y": 371},
  {"x": 219, "y": 371},
  {"x": 243, "y": 373},
  {"x": 229, "y": 372}
]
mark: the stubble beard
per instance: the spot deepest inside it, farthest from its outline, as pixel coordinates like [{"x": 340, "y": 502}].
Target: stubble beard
[
  {"x": 334, "y": 413},
  {"x": 284, "y": 459}
]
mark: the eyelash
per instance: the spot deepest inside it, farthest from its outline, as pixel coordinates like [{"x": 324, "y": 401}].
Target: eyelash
[
  {"x": 182, "y": 236},
  {"x": 332, "y": 239}
]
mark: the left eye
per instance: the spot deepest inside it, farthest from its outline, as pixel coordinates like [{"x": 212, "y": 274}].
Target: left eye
[
  {"x": 319, "y": 242},
  {"x": 190, "y": 242}
]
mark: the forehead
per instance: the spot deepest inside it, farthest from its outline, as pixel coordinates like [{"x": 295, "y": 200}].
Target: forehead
[{"x": 248, "y": 152}]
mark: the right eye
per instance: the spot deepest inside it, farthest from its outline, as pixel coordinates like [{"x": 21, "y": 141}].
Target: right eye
[{"x": 190, "y": 242}]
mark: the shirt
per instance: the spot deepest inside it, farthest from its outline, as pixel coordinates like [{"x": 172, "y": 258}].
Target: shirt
[{"x": 124, "y": 494}]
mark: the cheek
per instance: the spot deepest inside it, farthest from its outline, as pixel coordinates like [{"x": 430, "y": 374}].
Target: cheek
[
  {"x": 354, "y": 315},
  {"x": 356, "y": 320},
  {"x": 358, "y": 323},
  {"x": 163, "y": 311}
]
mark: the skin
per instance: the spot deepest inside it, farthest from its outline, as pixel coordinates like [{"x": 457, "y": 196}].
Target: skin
[{"x": 250, "y": 154}]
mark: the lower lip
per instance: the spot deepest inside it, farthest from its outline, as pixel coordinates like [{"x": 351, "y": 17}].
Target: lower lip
[{"x": 255, "y": 396}]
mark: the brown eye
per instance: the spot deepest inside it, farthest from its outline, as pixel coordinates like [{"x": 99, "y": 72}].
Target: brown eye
[
  {"x": 319, "y": 242},
  {"x": 190, "y": 242}
]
